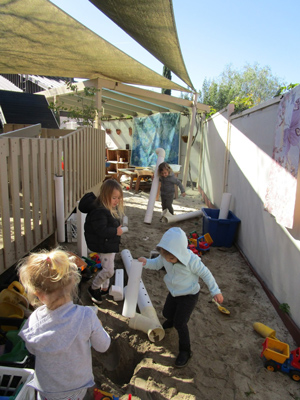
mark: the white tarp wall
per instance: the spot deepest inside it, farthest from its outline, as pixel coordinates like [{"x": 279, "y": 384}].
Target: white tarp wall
[{"x": 269, "y": 247}]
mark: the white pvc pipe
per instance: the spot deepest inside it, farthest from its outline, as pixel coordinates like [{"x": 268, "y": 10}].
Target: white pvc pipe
[
  {"x": 150, "y": 323},
  {"x": 132, "y": 289},
  {"x": 81, "y": 243},
  {"x": 124, "y": 229},
  {"x": 147, "y": 325},
  {"x": 60, "y": 208},
  {"x": 225, "y": 203},
  {"x": 117, "y": 290},
  {"x": 125, "y": 221},
  {"x": 154, "y": 187},
  {"x": 168, "y": 217}
]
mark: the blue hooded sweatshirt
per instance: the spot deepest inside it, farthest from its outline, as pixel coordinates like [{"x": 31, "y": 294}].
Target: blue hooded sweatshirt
[
  {"x": 182, "y": 278},
  {"x": 61, "y": 339}
]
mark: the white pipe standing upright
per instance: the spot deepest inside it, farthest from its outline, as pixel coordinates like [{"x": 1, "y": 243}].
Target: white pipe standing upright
[
  {"x": 225, "y": 203},
  {"x": 147, "y": 321},
  {"x": 132, "y": 289},
  {"x": 60, "y": 208},
  {"x": 81, "y": 243},
  {"x": 154, "y": 187},
  {"x": 168, "y": 217}
]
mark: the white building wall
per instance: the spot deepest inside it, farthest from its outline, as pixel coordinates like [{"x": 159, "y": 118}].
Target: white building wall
[{"x": 270, "y": 248}]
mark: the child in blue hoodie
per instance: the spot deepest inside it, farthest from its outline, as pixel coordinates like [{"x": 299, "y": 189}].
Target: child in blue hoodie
[
  {"x": 59, "y": 333},
  {"x": 183, "y": 270}
]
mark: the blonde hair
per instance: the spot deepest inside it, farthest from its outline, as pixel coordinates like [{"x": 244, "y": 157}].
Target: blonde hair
[
  {"x": 105, "y": 196},
  {"x": 163, "y": 166},
  {"x": 53, "y": 273}
]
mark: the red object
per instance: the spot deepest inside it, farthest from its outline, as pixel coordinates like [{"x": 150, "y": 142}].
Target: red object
[{"x": 194, "y": 235}]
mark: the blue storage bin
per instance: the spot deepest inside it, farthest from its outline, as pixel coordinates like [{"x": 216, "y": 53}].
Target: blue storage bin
[{"x": 222, "y": 231}]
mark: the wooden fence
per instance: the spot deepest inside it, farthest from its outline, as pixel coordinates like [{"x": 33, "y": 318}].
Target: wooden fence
[{"x": 28, "y": 166}]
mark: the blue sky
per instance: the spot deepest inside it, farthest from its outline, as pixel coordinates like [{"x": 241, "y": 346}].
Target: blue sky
[{"x": 214, "y": 35}]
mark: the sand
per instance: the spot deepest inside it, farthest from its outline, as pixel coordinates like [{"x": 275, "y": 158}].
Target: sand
[{"x": 226, "y": 361}]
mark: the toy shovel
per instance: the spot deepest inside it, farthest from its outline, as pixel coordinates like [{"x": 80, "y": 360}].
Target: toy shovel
[{"x": 220, "y": 308}]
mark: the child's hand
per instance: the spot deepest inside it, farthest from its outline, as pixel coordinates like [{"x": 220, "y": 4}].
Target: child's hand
[
  {"x": 183, "y": 194},
  {"x": 119, "y": 230},
  {"x": 142, "y": 260},
  {"x": 219, "y": 298}
]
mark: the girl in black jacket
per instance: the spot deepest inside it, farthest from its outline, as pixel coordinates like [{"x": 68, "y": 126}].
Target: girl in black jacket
[{"x": 102, "y": 230}]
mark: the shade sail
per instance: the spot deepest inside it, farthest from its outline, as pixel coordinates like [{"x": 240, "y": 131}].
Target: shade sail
[
  {"x": 152, "y": 25},
  {"x": 38, "y": 38}
]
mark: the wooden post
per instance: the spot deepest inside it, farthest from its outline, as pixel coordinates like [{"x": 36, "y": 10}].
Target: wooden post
[
  {"x": 190, "y": 139},
  {"x": 97, "y": 122}
]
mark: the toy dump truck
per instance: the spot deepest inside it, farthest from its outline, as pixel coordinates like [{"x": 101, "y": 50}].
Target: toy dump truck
[{"x": 277, "y": 357}]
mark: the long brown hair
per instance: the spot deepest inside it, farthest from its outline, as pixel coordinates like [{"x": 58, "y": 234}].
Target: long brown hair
[{"x": 105, "y": 196}]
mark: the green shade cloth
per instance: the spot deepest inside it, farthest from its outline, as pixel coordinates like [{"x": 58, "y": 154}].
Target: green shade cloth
[
  {"x": 152, "y": 25},
  {"x": 38, "y": 38}
]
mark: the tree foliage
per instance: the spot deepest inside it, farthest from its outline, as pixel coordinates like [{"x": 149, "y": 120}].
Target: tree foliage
[
  {"x": 167, "y": 74},
  {"x": 245, "y": 88},
  {"x": 84, "y": 112}
]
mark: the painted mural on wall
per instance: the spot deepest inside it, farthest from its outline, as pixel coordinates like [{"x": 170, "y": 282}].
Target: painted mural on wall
[
  {"x": 282, "y": 186},
  {"x": 150, "y": 133}
]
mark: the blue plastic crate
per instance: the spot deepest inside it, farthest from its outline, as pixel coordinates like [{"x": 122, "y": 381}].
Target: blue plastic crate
[{"x": 222, "y": 231}]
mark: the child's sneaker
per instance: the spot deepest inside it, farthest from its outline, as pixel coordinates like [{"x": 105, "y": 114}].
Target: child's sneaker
[
  {"x": 95, "y": 295},
  {"x": 183, "y": 358},
  {"x": 104, "y": 293}
]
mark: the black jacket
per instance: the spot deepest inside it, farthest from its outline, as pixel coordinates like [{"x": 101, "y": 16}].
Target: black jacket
[{"x": 100, "y": 228}]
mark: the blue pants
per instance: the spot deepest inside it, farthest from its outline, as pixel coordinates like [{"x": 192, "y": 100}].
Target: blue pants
[{"x": 178, "y": 311}]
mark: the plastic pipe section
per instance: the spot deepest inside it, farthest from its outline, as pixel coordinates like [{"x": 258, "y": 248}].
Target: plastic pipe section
[
  {"x": 168, "y": 217},
  {"x": 154, "y": 187},
  {"x": 147, "y": 321},
  {"x": 81, "y": 243},
  {"x": 225, "y": 203},
  {"x": 60, "y": 208},
  {"x": 117, "y": 290},
  {"x": 132, "y": 289}
]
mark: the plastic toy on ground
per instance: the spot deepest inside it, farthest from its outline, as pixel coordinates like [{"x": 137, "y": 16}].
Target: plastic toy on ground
[
  {"x": 101, "y": 395},
  {"x": 277, "y": 357},
  {"x": 264, "y": 330}
]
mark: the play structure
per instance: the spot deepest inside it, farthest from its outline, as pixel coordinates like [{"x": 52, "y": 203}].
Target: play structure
[{"x": 147, "y": 320}]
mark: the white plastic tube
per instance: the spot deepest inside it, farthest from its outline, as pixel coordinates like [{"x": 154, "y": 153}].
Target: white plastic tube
[
  {"x": 168, "y": 217},
  {"x": 117, "y": 290},
  {"x": 147, "y": 321},
  {"x": 147, "y": 325},
  {"x": 132, "y": 289},
  {"x": 154, "y": 187},
  {"x": 81, "y": 243},
  {"x": 60, "y": 208},
  {"x": 225, "y": 203}
]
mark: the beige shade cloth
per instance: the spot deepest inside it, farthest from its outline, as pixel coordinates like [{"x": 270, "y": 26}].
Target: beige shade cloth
[
  {"x": 152, "y": 25},
  {"x": 38, "y": 38}
]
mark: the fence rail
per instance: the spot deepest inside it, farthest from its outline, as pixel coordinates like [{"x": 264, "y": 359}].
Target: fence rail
[{"x": 28, "y": 166}]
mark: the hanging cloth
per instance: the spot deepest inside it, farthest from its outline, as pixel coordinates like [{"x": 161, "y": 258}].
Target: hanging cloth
[{"x": 282, "y": 186}]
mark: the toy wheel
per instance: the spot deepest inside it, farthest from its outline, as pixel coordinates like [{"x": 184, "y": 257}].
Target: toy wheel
[
  {"x": 295, "y": 375},
  {"x": 271, "y": 366}
]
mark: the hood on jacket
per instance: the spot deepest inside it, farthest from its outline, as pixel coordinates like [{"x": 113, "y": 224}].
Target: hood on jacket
[
  {"x": 176, "y": 243},
  {"x": 87, "y": 203},
  {"x": 52, "y": 331}
]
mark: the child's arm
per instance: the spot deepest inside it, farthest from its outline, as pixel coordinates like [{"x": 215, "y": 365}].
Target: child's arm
[
  {"x": 204, "y": 273},
  {"x": 152, "y": 263},
  {"x": 179, "y": 184}
]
